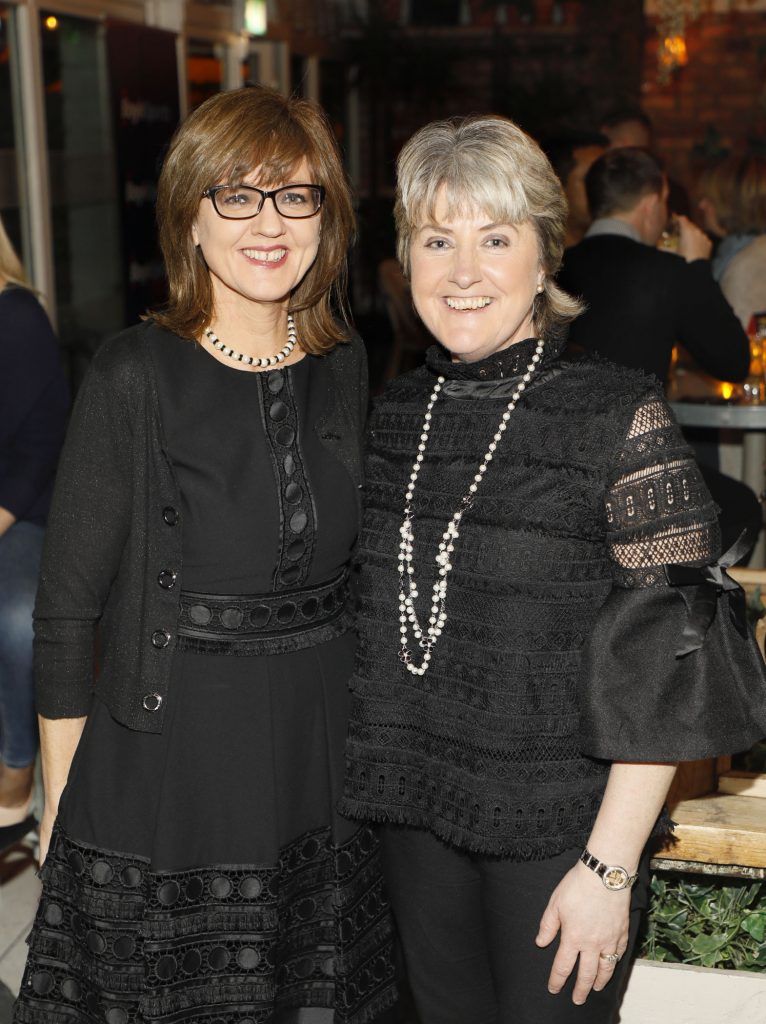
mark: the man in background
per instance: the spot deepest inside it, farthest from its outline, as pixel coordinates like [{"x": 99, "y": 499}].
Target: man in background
[
  {"x": 628, "y": 126},
  {"x": 641, "y": 301}
]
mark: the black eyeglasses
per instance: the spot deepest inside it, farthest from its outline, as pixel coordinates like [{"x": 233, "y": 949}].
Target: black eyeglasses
[{"x": 240, "y": 202}]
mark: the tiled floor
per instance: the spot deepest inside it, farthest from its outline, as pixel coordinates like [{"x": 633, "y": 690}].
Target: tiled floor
[{"x": 19, "y": 893}]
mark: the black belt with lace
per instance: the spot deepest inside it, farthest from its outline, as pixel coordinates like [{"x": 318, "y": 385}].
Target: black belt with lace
[{"x": 262, "y": 624}]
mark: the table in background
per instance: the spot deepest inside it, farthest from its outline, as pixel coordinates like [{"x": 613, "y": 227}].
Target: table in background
[{"x": 751, "y": 420}]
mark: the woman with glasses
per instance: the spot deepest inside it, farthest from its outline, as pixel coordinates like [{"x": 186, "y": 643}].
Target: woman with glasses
[{"x": 204, "y": 514}]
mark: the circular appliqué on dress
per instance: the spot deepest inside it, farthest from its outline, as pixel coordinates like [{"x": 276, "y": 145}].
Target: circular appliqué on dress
[
  {"x": 200, "y": 614},
  {"x": 220, "y": 887},
  {"x": 70, "y": 989},
  {"x": 286, "y": 613},
  {"x": 43, "y": 982},
  {"x": 124, "y": 947},
  {"x": 192, "y": 962},
  {"x": 131, "y": 876},
  {"x": 96, "y": 942},
  {"x": 166, "y": 967},
  {"x": 250, "y": 888},
  {"x": 76, "y": 862},
  {"x": 53, "y": 914},
  {"x": 102, "y": 872},
  {"x": 168, "y": 893},
  {"x": 218, "y": 958},
  {"x": 248, "y": 958},
  {"x": 298, "y": 521},
  {"x": 260, "y": 616},
  {"x": 231, "y": 618}
]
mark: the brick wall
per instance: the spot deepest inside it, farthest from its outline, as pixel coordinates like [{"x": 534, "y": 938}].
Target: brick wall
[{"x": 718, "y": 99}]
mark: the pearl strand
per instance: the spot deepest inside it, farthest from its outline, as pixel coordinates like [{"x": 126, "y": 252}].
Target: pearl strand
[
  {"x": 408, "y": 591},
  {"x": 239, "y": 357}
]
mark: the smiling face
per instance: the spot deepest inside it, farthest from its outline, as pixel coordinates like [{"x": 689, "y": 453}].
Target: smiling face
[
  {"x": 474, "y": 282},
  {"x": 262, "y": 259}
]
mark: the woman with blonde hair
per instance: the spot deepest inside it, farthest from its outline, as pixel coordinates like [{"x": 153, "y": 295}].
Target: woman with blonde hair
[
  {"x": 733, "y": 207},
  {"x": 538, "y": 643},
  {"x": 34, "y": 400},
  {"x": 204, "y": 514}
]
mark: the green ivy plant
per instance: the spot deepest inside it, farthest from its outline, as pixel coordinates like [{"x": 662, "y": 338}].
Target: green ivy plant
[{"x": 709, "y": 924}]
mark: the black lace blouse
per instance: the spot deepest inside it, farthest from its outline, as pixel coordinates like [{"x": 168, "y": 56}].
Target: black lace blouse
[{"x": 563, "y": 645}]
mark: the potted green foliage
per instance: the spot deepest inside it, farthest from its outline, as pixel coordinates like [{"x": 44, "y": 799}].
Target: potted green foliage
[{"x": 694, "y": 920}]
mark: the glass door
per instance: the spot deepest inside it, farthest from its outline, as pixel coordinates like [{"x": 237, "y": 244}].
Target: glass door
[{"x": 90, "y": 293}]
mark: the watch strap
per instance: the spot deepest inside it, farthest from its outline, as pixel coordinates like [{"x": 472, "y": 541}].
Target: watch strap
[{"x": 614, "y": 876}]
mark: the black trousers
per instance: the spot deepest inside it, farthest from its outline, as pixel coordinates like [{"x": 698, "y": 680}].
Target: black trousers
[{"x": 467, "y": 926}]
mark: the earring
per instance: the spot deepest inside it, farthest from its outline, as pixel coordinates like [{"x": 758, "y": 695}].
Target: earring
[{"x": 540, "y": 288}]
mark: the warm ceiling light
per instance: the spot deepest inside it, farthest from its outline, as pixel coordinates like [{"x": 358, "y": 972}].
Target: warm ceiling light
[
  {"x": 51, "y": 22},
  {"x": 256, "y": 17}
]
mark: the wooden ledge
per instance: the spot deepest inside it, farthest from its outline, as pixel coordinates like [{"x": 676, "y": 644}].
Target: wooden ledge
[{"x": 718, "y": 829}]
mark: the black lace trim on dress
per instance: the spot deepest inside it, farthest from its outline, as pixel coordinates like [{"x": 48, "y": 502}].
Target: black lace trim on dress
[
  {"x": 339, "y": 623},
  {"x": 297, "y": 514},
  {"x": 116, "y": 942},
  {"x": 264, "y": 624}
]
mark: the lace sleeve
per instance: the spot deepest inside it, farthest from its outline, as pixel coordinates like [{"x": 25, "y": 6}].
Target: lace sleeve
[
  {"x": 638, "y": 700},
  {"x": 658, "y": 509}
]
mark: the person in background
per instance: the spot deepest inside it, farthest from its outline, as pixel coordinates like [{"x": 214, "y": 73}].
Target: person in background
[
  {"x": 733, "y": 208},
  {"x": 640, "y": 301},
  {"x": 627, "y": 126},
  {"x": 632, "y": 127},
  {"x": 34, "y": 400},
  {"x": 571, "y": 156},
  {"x": 194, "y": 866}
]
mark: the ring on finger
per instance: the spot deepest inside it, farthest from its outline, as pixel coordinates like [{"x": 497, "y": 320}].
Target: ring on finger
[{"x": 609, "y": 958}]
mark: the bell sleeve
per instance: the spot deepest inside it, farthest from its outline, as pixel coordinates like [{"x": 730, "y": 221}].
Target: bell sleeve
[{"x": 671, "y": 672}]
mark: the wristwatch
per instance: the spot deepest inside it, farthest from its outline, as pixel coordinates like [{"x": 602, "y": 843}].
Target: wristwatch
[{"x": 613, "y": 876}]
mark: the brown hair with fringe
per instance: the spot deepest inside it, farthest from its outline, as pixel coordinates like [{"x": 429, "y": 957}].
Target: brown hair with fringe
[{"x": 225, "y": 139}]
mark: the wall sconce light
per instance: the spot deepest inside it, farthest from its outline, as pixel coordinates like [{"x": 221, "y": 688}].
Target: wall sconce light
[{"x": 673, "y": 52}]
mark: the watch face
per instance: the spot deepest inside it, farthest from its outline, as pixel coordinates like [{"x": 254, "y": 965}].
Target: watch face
[{"x": 615, "y": 878}]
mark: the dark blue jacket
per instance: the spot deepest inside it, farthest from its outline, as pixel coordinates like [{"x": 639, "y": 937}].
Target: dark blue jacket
[{"x": 34, "y": 400}]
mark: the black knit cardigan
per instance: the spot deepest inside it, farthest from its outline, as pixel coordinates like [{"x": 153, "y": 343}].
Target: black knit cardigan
[
  {"x": 560, "y": 651},
  {"x": 115, "y": 527}
]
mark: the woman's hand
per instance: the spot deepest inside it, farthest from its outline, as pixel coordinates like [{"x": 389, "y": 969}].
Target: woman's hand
[{"x": 592, "y": 920}]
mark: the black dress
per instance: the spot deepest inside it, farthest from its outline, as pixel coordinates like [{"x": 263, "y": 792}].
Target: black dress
[{"x": 202, "y": 874}]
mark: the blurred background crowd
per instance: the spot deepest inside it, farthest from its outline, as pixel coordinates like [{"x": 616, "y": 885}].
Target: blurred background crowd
[{"x": 90, "y": 93}]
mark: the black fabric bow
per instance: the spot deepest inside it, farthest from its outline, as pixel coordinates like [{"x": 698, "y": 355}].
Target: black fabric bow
[{"x": 710, "y": 582}]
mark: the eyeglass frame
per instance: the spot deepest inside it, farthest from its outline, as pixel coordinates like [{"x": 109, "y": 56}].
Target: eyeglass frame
[{"x": 210, "y": 193}]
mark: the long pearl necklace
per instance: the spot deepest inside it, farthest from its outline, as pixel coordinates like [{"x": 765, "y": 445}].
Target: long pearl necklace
[
  {"x": 408, "y": 590},
  {"x": 240, "y": 357}
]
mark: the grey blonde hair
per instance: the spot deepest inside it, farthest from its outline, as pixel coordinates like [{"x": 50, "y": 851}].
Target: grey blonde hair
[
  {"x": 11, "y": 269},
  {"x": 487, "y": 163}
]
